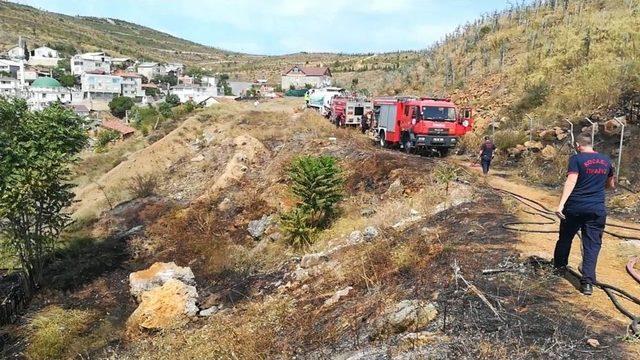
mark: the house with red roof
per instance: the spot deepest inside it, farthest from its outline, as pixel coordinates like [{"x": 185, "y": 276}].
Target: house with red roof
[
  {"x": 117, "y": 125},
  {"x": 300, "y": 77}
]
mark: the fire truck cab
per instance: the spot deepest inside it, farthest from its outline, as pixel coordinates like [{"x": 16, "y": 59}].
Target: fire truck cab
[{"x": 421, "y": 124}]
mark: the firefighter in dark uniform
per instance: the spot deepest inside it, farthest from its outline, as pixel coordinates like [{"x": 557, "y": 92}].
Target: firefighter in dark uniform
[
  {"x": 582, "y": 207},
  {"x": 486, "y": 154}
]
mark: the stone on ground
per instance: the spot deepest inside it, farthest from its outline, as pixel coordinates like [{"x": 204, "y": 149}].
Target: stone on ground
[
  {"x": 157, "y": 275},
  {"x": 169, "y": 306}
]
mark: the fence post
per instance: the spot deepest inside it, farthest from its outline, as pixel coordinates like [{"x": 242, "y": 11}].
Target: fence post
[
  {"x": 619, "y": 149},
  {"x": 593, "y": 131},
  {"x": 530, "y": 127},
  {"x": 573, "y": 139}
]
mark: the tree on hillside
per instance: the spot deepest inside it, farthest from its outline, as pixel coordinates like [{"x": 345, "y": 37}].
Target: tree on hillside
[
  {"x": 172, "y": 99},
  {"x": 36, "y": 149},
  {"x": 166, "y": 79},
  {"x": 119, "y": 106}
]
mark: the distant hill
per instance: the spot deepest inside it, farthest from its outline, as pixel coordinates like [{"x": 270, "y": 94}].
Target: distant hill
[{"x": 79, "y": 33}]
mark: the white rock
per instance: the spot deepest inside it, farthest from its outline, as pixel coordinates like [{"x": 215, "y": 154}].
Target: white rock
[
  {"x": 157, "y": 275},
  {"x": 337, "y": 296},
  {"x": 370, "y": 232}
]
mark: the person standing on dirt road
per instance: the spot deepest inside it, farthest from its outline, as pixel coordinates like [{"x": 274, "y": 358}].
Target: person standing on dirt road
[
  {"x": 582, "y": 207},
  {"x": 486, "y": 154}
]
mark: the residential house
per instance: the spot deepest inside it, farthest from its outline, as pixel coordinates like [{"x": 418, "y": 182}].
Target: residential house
[
  {"x": 29, "y": 74},
  {"x": 100, "y": 86},
  {"x": 118, "y": 126},
  {"x": 208, "y": 81},
  {"x": 80, "y": 110},
  {"x": 91, "y": 62},
  {"x": 195, "y": 93},
  {"x": 45, "y": 91},
  {"x": 123, "y": 62},
  {"x": 10, "y": 67},
  {"x": 16, "y": 53},
  {"x": 186, "y": 80},
  {"x": 131, "y": 83},
  {"x": 9, "y": 87},
  {"x": 239, "y": 88},
  {"x": 300, "y": 77},
  {"x": 151, "y": 70},
  {"x": 176, "y": 68},
  {"x": 44, "y": 56}
]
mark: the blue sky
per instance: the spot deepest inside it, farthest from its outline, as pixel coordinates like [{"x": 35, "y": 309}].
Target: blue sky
[{"x": 286, "y": 26}]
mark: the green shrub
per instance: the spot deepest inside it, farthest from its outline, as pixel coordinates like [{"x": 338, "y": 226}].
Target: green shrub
[
  {"x": 105, "y": 137},
  {"x": 172, "y": 99},
  {"x": 295, "y": 225},
  {"x": 317, "y": 183},
  {"x": 142, "y": 186},
  {"x": 445, "y": 174},
  {"x": 506, "y": 139}
]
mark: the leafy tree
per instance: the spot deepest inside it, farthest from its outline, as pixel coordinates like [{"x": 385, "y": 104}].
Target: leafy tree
[
  {"x": 223, "y": 82},
  {"x": 166, "y": 79},
  {"x": 67, "y": 80},
  {"x": 4, "y": 74},
  {"x": 151, "y": 91},
  {"x": 119, "y": 106},
  {"x": 164, "y": 108},
  {"x": 64, "y": 64},
  {"x": 36, "y": 150},
  {"x": 172, "y": 99}
]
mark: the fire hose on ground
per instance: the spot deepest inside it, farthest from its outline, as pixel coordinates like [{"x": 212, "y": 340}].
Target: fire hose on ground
[{"x": 612, "y": 292}]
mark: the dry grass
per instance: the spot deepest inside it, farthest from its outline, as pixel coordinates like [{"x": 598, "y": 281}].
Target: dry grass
[{"x": 54, "y": 331}]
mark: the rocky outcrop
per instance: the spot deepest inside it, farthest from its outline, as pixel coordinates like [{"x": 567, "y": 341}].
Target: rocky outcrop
[
  {"x": 156, "y": 276},
  {"x": 405, "y": 315},
  {"x": 337, "y": 296},
  {"x": 257, "y": 228},
  {"x": 169, "y": 306},
  {"x": 549, "y": 153}
]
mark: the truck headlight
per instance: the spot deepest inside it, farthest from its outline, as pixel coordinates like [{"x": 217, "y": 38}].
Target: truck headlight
[{"x": 465, "y": 123}]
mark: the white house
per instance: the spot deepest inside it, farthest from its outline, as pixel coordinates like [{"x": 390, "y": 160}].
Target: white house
[
  {"x": 151, "y": 69},
  {"x": 299, "y": 77},
  {"x": 176, "y": 68},
  {"x": 100, "y": 87},
  {"x": 9, "y": 87},
  {"x": 131, "y": 83},
  {"x": 239, "y": 88},
  {"x": 15, "y": 53},
  {"x": 45, "y": 91},
  {"x": 90, "y": 62},
  {"x": 208, "y": 81},
  {"x": 44, "y": 56},
  {"x": 10, "y": 67},
  {"x": 195, "y": 93}
]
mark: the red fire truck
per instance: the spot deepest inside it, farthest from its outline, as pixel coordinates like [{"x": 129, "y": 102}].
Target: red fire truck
[
  {"x": 349, "y": 110},
  {"x": 421, "y": 124}
]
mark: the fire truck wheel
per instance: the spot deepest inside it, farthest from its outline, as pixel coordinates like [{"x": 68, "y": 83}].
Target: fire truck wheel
[
  {"x": 444, "y": 152},
  {"x": 407, "y": 147},
  {"x": 383, "y": 142}
]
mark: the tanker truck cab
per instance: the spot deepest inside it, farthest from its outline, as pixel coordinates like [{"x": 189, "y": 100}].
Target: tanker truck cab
[{"x": 423, "y": 125}]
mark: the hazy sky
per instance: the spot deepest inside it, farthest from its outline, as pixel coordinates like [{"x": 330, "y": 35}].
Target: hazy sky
[{"x": 286, "y": 26}]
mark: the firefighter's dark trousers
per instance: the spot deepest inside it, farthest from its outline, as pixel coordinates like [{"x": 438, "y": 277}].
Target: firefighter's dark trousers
[
  {"x": 485, "y": 165},
  {"x": 591, "y": 225}
]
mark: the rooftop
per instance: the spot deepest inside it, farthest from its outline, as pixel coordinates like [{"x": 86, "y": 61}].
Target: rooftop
[
  {"x": 46, "y": 82},
  {"x": 310, "y": 71},
  {"x": 118, "y": 126},
  {"x": 126, "y": 74}
]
